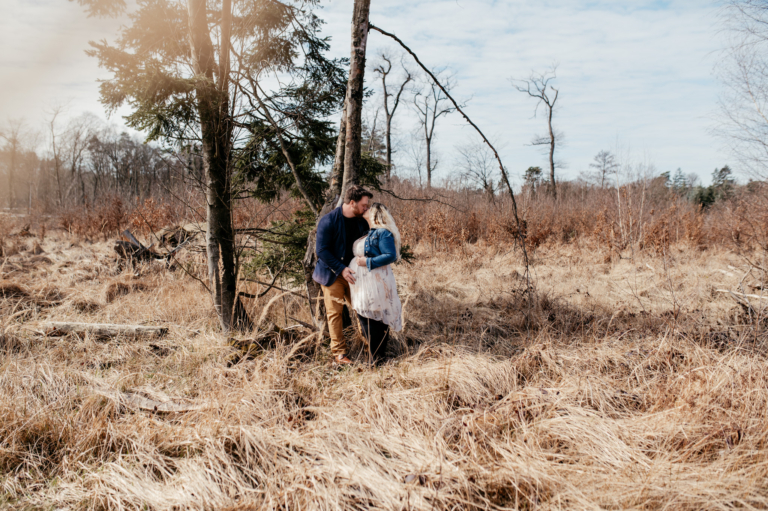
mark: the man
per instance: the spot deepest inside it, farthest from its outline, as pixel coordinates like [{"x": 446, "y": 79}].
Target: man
[{"x": 336, "y": 233}]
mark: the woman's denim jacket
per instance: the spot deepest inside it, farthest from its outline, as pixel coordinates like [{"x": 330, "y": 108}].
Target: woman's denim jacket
[{"x": 380, "y": 249}]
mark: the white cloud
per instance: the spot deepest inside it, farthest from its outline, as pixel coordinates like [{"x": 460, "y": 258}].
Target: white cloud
[
  {"x": 43, "y": 59},
  {"x": 640, "y": 71}
]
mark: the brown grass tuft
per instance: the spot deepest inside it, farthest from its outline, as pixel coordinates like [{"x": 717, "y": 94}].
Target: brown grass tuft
[
  {"x": 120, "y": 288},
  {"x": 11, "y": 290}
]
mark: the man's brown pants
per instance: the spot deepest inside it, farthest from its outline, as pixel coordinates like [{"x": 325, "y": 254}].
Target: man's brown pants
[{"x": 334, "y": 297}]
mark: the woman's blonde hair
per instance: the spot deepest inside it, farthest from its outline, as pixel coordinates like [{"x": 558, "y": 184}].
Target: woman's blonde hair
[{"x": 382, "y": 219}]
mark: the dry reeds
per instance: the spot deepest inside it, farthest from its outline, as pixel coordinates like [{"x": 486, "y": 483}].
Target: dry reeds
[
  {"x": 630, "y": 383},
  {"x": 604, "y": 406}
]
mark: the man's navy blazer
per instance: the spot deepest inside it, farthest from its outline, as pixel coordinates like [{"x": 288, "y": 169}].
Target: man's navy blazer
[{"x": 331, "y": 242}]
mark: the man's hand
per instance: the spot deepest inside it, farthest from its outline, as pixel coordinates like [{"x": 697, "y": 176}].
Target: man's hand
[{"x": 348, "y": 275}]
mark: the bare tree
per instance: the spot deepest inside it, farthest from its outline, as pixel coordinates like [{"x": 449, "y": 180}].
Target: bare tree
[
  {"x": 13, "y": 135},
  {"x": 744, "y": 72},
  {"x": 604, "y": 164},
  {"x": 384, "y": 69},
  {"x": 73, "y": 151},
  {"x": 538, "y": 87},
  {"x": 55, "y": 149},
  {"x": 373, "y": 137},
  {"x": 532, "y": 179},
  {"x": 416, "y": 152},
  {"x": 431, "y": 104},
  {"x": 477, "y": 164}
]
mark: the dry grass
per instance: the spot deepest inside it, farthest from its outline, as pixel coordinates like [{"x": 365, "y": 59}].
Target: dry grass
[{"x": 638, "y": 387}]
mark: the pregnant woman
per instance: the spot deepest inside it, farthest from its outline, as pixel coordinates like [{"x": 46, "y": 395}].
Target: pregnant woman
[{"x": 374, "y": 293}]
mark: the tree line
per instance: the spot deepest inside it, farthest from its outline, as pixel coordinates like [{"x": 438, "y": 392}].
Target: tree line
[{"x": 80, "y": 163}]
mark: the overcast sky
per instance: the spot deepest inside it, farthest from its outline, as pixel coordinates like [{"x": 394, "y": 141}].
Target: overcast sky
[{"x": 635, "y": 76}]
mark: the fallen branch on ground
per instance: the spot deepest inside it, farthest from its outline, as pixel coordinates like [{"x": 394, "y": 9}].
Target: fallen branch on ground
[
  {"x": 741, "y": 296},
  {"x": 144, "y": 403},
  {"x": 269, "y": 286},
  {"x": 103, "y": 329}
]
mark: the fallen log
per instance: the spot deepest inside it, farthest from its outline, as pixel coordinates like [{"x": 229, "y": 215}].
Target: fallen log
[
  {"x": 741, "y": 296},
  {"x": 158, "y": 406},
  {"x": 132, "y": 250},
  {"x": 129, "y": 251},
  {"x": 104, "y": 330},
  {"x": 173, "y": 236},
  {"x": 143, "y": 403}
]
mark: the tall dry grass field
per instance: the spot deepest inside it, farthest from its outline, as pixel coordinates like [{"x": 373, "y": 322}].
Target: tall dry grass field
[{"x": 631, "y": 382}]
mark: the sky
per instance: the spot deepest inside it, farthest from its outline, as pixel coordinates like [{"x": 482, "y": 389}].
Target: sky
[{"x": 635, "y": 77}]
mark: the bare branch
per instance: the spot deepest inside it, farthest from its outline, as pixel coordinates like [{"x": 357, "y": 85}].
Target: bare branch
[{"x": 520, "y": 230}]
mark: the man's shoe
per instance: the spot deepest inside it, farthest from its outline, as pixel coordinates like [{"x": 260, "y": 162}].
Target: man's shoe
[{"x": 341, "y": 360}]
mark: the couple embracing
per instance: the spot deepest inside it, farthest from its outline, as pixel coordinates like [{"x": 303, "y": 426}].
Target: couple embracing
[{"x": 356, "y": 245}]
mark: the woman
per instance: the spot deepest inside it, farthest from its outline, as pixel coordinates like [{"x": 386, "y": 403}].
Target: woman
[{"x": 374, "y": 293}]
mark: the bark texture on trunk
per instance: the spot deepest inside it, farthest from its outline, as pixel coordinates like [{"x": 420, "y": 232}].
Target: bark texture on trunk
[
  {"x": 213, "y": 108},
  {"x": 552, "y": 153},
  {"x": 428, "y": 139},
  {"x": 389, "y": 147},
  {"x": 337, "y": 173},
  {"x": 354, "y": 102}
]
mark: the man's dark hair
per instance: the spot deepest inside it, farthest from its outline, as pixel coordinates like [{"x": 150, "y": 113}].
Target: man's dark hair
[{"x": 356, "y": 193}]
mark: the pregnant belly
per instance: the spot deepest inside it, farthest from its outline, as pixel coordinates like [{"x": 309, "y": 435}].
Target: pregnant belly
[{"x": 361, "y": 272}]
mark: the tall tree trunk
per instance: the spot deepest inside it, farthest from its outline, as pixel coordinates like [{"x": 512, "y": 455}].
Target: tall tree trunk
[
  {"x": 354, "y": 101},
  {"x": 11, "y": 175},
  {"x": 388, "y": 119},
  {"x": 337, "y": 173},
  {"x": 82, "y": 187},
  {"x": 552, "y": 183},
  {"x": 389, "y": 147},
  {"x": 212, "y": 103},
  {"x": 428, "y": 141}
]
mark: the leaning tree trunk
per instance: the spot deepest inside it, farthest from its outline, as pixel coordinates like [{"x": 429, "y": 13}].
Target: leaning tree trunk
[
  {"x": 346, "y": 165},
  {"x": 212, "y": 103},
  {"x": 332, "y": 200}
]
